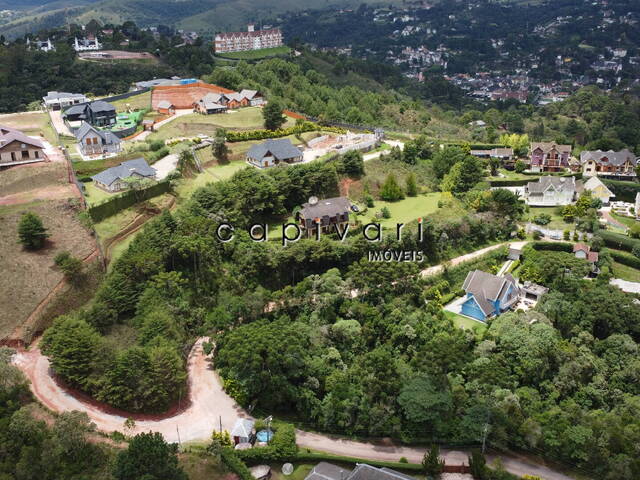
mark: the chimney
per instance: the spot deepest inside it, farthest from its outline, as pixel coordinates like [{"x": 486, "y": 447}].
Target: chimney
[{"x": 251, "y": 27}]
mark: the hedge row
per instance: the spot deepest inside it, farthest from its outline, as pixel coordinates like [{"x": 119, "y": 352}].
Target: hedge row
[
  {"x": 125, "y": 200},
  {"x": 231, "y": 460},
  {"x": 524, "y": 181},
  {"x": 281, "y": 447},
  {"x": 303, "y": 127},
  {"x": 618, "y": 241},
  {"x": 624, "y": 191},
  {"x": 625, "y": 259},
  {"x": 555, "y": 246}
]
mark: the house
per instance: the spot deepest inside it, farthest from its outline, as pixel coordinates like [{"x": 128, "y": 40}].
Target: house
[
  {"x": 242, "y": 431},
  {"x": 16, "y": 148},
  {"x": 42, "y": 45},
  {"x": 114, "y": 179},
  {"x": 599, "y": 190},
  {"x": 166, "y": 108},
  {"x": 609, "y": 164},
  {"x": 61, "y": 100},
  {"x": 549, "y": 157},
  {"x": 504, "y": 154},
  {"x": 86, "y": 44},
  {"x": 514, "y": 253},
  {"x": 328, "y": 471},
  {"x": 235, "y": 100},
  {"x": 252, "y": 39},
  {"x": 211, "y": 103},
  {"x": 330, "y": 214},
  {"x": 92, "y": 141},
  {"x": 274, "y": 152},
  {"x": 488, "y": 295},
  {"x": 254, "y": 97},
  {"x": 580, "y": 250},
  {"x": 552, "y": 191},
  {"x": 637, "y": 207},
  {"x": 98, "y": 113}
]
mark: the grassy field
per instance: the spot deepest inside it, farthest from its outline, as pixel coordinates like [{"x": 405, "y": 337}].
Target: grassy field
[
  {"x": 256, "y": 54},
  {"x": 407, "y": 210},
  {"x": 186, "y": 186},
  {"x": 464, "y": 322},
  {"x": 557, "y": 222},
  {"x": 625, "y": 272},
  {"x": 249, "y": 118},
  {"x": 628, "y": 221},
  {"x": 30, "y": 275},
  {"x": 201, "y": 466},
  {"x": 137, "y": 102},
  {"x": 35, "y": 124},
  {"x": 95, "y": 195}
]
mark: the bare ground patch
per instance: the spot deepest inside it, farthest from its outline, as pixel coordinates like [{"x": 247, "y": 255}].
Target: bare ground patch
[{"x": 29, "y": 276}]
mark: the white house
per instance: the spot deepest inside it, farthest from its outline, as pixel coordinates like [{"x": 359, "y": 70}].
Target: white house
[
  {"x": 552, "y": 191},
  {"x": 62, "y": 100},
  {"x": 599, "y": 190}
]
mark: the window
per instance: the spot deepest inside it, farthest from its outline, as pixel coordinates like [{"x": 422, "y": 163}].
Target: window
[{"x": 25, "y": 154}]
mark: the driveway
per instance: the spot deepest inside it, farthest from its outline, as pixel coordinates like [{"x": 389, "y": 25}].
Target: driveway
[
  {"x": 165, "y": 166},
  {"x": 625, "y": 286},
  {"x": 58, "y": 123}
]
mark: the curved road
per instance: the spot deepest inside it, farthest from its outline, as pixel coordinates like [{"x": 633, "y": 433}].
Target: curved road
[{"x": 211, "y": 407}]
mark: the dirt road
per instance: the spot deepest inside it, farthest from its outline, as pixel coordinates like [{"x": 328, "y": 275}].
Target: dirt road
[{"x": 208, "y": 402}]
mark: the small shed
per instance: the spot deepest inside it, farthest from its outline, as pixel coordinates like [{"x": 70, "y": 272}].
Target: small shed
[
  {"x": 165, "y": 107},
  {"x": 514, "y": 254},
  {"x": 242, "y": 430}
]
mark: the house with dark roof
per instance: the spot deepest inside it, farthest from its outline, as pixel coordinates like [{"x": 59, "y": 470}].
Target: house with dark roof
[
  {"x": 254, "y": 97},
  {"x": 328, "y": 471},
  {"x": 98, "y": 113},
  {"x": 488, "y": 295},
  {"x": 92, "y": 141},
  {"x": 117, "y": 178},
  {"x": 329, "y": 214},
  {"x": 549, "y": 157},
  {"x": 609, "y": 164},
  {"x": 552, "y": 191},
  {"x": 16, "y": 148},
  {"x": 274, "y": 153}
]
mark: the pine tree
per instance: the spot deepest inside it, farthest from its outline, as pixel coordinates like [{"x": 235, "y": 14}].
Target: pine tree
[
  {"x": 219, "y": 147},
  {"x": 31, "y": 231},
  {"x": 412, "y": 187},
  {"x": 431, "y": 462},
  {"x": 272, "y": 113},
  {"x": 391, "y": 191}
]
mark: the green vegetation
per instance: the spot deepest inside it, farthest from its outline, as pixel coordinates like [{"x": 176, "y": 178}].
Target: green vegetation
[{"x": 31, "y": 231}]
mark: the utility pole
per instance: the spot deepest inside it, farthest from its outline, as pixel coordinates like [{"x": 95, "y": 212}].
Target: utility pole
[
  {"x": 220, "y": 417},
  {"x": 178, "y": 431},
  {"x": 485, "y": 430}
]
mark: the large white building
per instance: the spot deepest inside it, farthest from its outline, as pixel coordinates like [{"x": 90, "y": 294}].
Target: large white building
[
  {"x": 86, "y": 44},
  {"x": 250, "y": 40}
]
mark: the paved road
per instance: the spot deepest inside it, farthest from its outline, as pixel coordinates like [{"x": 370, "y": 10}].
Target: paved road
[
  {"x": 625, "y": 286},
  {"x": 58, "y": 123}
]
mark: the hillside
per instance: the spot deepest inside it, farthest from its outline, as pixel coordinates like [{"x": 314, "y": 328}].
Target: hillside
[{"x": 205, "y": 16}]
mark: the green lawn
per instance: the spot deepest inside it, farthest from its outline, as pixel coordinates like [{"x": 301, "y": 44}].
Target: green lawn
[
  {"x": 625, "y": 272},
  {"x": 95, "y": 195},
  {"x": 465, "y": 322},
  {"x": 557, "y": 222},
  {"x": 186, "y": 186},
  {"x": 137, "y": 102},
  {"x": 256, "y": 54},
  {"x": 35, "y": 124},
  {"x": 249, "y": 118},
  {"x": 407, "y": 210}
]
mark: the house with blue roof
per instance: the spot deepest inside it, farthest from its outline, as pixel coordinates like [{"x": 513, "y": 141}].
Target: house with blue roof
[
  {"x": 488, "y": 295},
  {"x": 119, "y": 178}
]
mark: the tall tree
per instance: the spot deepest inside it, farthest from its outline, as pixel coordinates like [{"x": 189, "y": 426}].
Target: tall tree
[
  {"x": 273, "y": 117},
  {"x": 219, "y": 146},
  {"x": 390, "y": 190},
  {"x": 148, "y": 457}
]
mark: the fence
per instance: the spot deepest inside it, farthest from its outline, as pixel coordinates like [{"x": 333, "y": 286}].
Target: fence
[
  {"x": 122, "y": 96},
  {"x": 125, "y": 200}
]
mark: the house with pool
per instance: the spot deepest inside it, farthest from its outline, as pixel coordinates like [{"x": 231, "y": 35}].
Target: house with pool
[{"x": 489, "y": 295}]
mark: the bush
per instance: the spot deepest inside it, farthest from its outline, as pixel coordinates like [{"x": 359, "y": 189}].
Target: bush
[
  {"x": 369, "y": 201},
  {"x": 31, "y": 231},
  {"x": 385, "y": 212},
  {"x": 70, "y": 265},
  {"x": 618, "y": 241},
  {"x": 281, "y": 447},
  {"x": 542, "y": 219},
  {"x": 626, "y": 259},
  {"x": 537, "y": 235},
  {"x": 553, "y": 246},
  {"x": 156, "y": 145},
  {"x": 243, "y": 136},
  {"x": 233, "y": 463}
]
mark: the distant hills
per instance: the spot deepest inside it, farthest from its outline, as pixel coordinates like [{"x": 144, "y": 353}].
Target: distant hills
[{"x": 204, "y": 16}]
